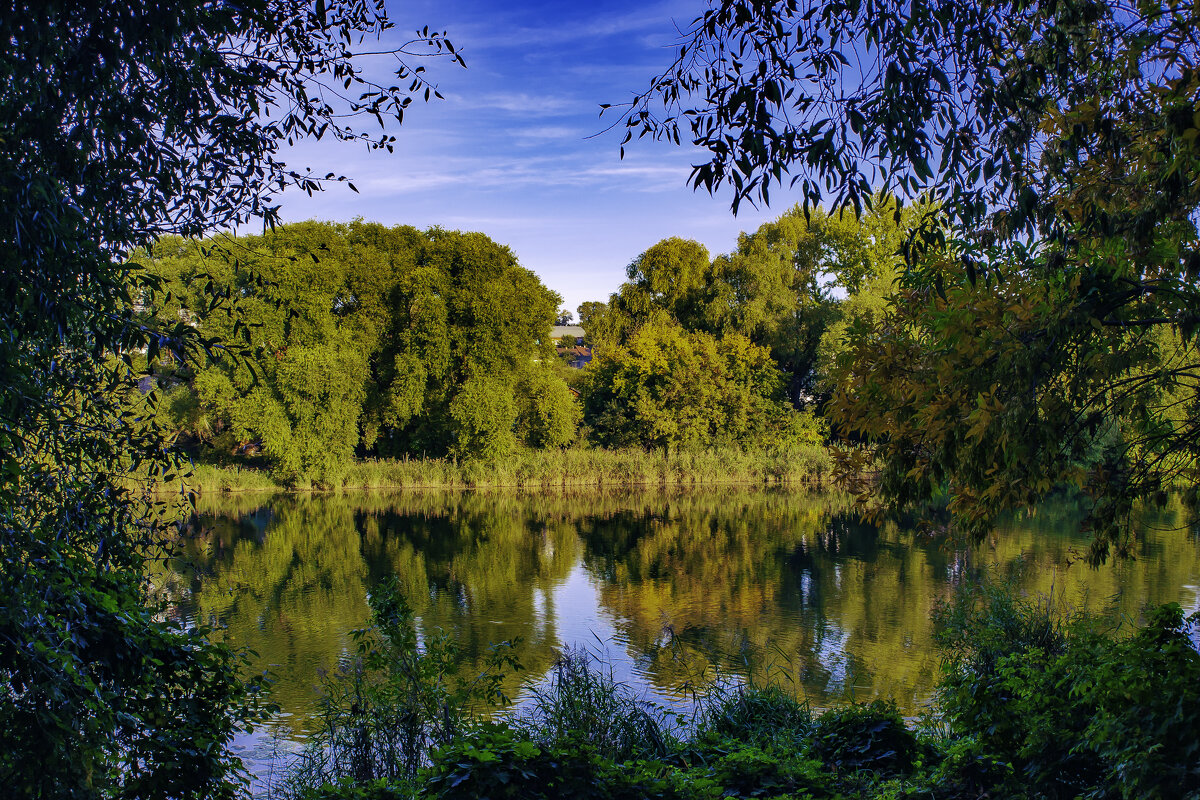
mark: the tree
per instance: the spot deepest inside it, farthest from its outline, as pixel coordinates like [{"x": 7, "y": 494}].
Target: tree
[
  {"x": 673, "y": 388},
  {"x": 312, "y": 298},
  {"x": 123, "y": 123},
  {"x": 775, "y": 288},
  {"x": 363, "y": 338},
  {"x": 1048, "y": 309},
  {"x": 467, "y": 335}
]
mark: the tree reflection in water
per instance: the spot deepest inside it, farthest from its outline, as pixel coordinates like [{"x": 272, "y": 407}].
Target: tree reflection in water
[{"x": 754, "y": 582}]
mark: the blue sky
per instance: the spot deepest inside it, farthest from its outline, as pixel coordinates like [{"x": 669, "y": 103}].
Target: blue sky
[{"x": 507, "y": 152}]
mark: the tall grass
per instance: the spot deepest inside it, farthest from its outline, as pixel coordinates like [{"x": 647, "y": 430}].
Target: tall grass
[
  {"x": 583, "y": 702},
  {"x": 574, "y": 468}
]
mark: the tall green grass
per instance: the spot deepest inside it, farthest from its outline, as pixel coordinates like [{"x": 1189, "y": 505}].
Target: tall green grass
[
  {"x": 583, "y": 701},
  {"x": 575, "y": 468}
]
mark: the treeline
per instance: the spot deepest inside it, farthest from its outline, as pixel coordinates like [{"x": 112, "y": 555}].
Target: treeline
[
  {"x": 336, "y": 341},
  {"x": 693, "y": 350},
  {"x": 361, "y": 340}
]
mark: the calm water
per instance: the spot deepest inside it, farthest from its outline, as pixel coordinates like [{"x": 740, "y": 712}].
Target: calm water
[{"x": 662, "y": 584}]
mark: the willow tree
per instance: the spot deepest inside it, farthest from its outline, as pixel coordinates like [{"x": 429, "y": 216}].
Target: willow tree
[
  {"x": 123, "y": 122},
  {"x": 365, "y": 339},
  {"x": 463, "y": 368},
  {"x": 1045, "y": 331}
]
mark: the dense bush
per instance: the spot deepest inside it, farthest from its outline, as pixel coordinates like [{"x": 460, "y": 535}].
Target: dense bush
[
  {"x": 865, "y": 737},
  {"x": 751, "y": 772},
  {"x": 1076, "y": 711},
  {"x": 501, "y": 762}
]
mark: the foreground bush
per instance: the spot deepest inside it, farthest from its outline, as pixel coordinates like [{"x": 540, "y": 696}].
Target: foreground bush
[{"x": 1075, "y": 710}]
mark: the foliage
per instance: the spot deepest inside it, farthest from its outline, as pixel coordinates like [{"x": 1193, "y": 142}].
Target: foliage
[
  {"x": 775, "y": 288},
  {"x": 1061, "y": 722},
  {"x": 468, "y": 322},
  {"x": 871, "y": 736},
  {"x": 1059, "y": 701},
  {"x": 123, "y": 123},
  {"x": 581, "y": 703},
  {"x": 367, "y": 339},
  {"x": 750, "y": 772},
  {"x": 570, "y": 468},
  {"x": 350, "y": 790},
  {"x": 763, "y": 717},
  {"x": 1045, "y": 331},
  {"x": 499, "y": 762},
  {"x": 671, "y": 388},
  {"x": 396, "y": 700}
]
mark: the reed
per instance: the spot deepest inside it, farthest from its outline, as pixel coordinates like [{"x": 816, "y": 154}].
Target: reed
[{"x": 573, "y": 468}]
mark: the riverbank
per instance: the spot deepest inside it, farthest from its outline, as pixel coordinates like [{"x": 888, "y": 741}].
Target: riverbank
[{"x": 575, "y": 468}]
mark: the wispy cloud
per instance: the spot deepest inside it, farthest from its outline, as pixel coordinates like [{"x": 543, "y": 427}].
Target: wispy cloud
[
  {"x": 569, "y": 170},
  {"x": 648, "y": 19},
  {"x": 526, "y": 104},
  {"x": 541, "y": 134}
]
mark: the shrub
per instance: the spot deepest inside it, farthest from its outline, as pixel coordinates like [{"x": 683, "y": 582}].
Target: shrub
[
  {"x": 1077, "y": 711},
  {"x": 500, "y": 762},
  {"x": 869, "y": 736},
  {"x": 655, "y": 780},
  {"x": 751, "y": 772},
  {"x": 346, "y": 789}
]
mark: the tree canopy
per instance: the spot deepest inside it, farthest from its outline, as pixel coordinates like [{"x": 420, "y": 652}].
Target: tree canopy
[
  {"x": 1044, "y": 331},
  {"x": 668, "y": 387},
  {"x": 363, "y": 339},
  {"x": 780, "y": 288},
  {"x": 122, "y": 123}
]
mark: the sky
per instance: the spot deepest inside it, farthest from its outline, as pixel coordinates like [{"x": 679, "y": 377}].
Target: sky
[{"x": 517, "y": 149}]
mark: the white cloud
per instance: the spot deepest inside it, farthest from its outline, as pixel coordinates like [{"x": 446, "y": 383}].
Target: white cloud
[
  {"x": 650, "y": 19},
  {"x": 523, "y": 103},
  {"x": 547, "y": 133}
]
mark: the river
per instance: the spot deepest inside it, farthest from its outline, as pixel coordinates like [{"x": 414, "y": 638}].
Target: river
[{"x": 669, "y": 587}]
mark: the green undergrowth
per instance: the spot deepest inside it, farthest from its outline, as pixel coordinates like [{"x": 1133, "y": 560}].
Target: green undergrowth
[
  {"x": 545, "y": 469},
  {"x": 1035, "y": 701}
]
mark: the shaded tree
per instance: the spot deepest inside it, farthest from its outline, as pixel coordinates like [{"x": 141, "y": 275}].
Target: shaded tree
[
  {"x": 1059, "y": 140},
  {"x": 123, "y": 123},
  {"x": 469, "y": 328}
]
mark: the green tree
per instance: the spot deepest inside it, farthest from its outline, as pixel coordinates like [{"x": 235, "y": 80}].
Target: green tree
[
  {"x": 1060, "y": 142},
  {"x": 591, "y": 318},
  {"x": 371, "y": 339},
  {"x": 312, "y": 300},
  {"x": 669, "y": 387},
  {"x": 122, "y": 123},
  {"x": 769, "y": 289},
  {"x": 774, "y": 289},
  {"x": 547, "y": 413},
  {"x": 469, "y": 327}
]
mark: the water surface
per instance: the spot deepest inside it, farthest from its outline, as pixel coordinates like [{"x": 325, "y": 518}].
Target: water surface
[{"x": 670, "y": 587}]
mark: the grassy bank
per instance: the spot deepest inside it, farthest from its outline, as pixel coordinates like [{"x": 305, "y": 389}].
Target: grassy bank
[{"x": 548, "y": 469}]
